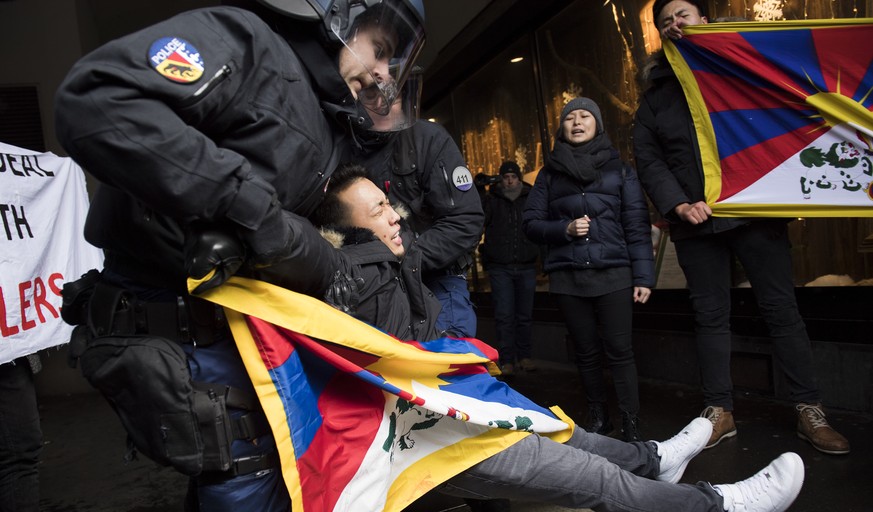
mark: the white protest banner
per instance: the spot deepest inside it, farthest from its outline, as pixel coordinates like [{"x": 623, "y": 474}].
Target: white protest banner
[{"x": 43, "y": 204}]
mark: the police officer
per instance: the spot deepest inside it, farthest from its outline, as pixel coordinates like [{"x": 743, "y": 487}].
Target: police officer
[
  {"x": 222, "y": 117},
  {"x": 418, "y": 166}
]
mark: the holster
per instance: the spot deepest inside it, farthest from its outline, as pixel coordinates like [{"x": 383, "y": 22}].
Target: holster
[
  {"x": 461, "y": 265},
  {"x": 107, "y": 309},
  {"x": 130, "y": 350}
]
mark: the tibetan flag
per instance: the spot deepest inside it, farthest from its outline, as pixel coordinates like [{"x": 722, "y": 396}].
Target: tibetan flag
[
  {"x": 364, "y": 421},
  {"x": 783, "y": 115}
]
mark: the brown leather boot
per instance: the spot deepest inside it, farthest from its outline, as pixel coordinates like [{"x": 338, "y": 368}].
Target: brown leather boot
[
  {"x": 526, "y": 364},
  {"x": 813, "y": 427},
  {"x": 723, "y": 425}
]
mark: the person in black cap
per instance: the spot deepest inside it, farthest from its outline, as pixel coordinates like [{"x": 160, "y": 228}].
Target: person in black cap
[
  {"x": 665, "y": 146},
  {"x": 588, "y": 207},
  {"x": 510, "y": 259}
]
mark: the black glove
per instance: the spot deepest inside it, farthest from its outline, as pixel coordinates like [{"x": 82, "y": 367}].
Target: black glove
[
  {"x": 212, "y": 249},
  {"x": 343, "y": 292},
  {"x": 271, "y": 242}
]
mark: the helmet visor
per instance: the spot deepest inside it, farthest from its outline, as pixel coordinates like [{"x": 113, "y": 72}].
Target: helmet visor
[
  {"x": 404, "y": 111},
  {"x": 384, "y": 39}
]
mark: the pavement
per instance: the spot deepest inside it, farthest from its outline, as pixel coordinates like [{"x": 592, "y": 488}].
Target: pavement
[{"x": 83, "y": 469}]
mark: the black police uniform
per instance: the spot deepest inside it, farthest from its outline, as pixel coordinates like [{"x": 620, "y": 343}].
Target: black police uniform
[
  {"x": 213, "y": 144},
  {"x": 208, "y": 117}
]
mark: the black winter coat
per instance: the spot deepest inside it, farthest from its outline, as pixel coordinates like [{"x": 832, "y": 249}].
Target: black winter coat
[
  {"x": 505, "y": 242},
  {"x": 668, "y": 157},
  {"x": 620, "y": 233},
  {"x": 216, "y": 149},
  {"x": 391, "y": 295}
]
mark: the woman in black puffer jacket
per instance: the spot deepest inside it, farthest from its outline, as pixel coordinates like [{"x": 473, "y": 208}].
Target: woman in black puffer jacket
[{"x": 588, "y": 208}]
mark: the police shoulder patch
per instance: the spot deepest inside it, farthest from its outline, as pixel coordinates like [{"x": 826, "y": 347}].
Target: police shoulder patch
[
  {"x": 176, "y": 59},
  {"x": 462, "y": 178}
]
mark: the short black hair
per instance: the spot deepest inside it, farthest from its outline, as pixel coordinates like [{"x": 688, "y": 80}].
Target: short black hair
[
  {"x": 659, "y": 5},
  {"x": 331, "y": 211}
]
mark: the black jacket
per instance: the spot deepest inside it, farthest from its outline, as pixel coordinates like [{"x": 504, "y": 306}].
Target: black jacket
[
  {"x": 668, "y": 157},
  {"x": 620, "y": 233},
  {"x": 418, "y": 168},
  {"x": 505, "y": 242},
  {"x": 215, "y": 150},
  {"x": 391, "y": 295}
]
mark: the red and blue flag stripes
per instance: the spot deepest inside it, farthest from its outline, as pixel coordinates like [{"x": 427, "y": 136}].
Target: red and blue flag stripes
[
  {"x": 364, "y": 421},
  {"x": 783, "y": 115}
]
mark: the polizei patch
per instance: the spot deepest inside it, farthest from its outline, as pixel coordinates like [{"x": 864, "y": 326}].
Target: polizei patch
[
  {"x": 176, "y": 59},
  {"x": 462, "y": 179}
]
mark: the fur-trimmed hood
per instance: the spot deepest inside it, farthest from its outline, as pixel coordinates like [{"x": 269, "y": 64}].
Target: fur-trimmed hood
[{"x": 340, "y": 236}]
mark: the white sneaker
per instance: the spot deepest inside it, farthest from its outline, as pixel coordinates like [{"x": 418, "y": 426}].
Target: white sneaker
[
  {"x": 772, "y": 489},
  {"x": 681, "y": 448}
]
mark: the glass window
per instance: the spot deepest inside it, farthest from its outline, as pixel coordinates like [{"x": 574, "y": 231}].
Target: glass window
[
  {"x": 496, "y": 113},
  {"x": 493, "y": 115},
  {"x": 592, "y": 50},
  {"x": 600, "y": 51}
]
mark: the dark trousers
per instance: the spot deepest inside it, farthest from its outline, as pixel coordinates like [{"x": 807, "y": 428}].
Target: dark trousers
[
  {"x": 588, "y": 471},
  {"x": 512, "y": 290},
  {"x": 20, "y": 439},
  {"x": 763, "y": 249},
  {"x": 604, "y": 326}
]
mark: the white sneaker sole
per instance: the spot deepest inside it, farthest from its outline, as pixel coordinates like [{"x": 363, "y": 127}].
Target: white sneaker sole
[{"x": 676, "y": 474}]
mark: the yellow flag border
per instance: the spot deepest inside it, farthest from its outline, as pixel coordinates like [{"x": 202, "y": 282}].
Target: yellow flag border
[
  {"x": 282, "y": 307},
  {"x": 708, "y": 149},
  {"x": 705, "y": 132}
]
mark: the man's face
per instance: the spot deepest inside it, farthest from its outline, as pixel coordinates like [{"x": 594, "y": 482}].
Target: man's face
[
  {"x": 363, "y": 62},
  {"x": 369, "y": 208},
  {"x": 676, "y": 15},
  {"x": 579, "y": 126},
  {"x": 510, "y": 181}
]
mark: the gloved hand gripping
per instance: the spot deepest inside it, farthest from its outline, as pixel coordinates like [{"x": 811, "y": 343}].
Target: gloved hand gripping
[{"x": 212, "y": 251}]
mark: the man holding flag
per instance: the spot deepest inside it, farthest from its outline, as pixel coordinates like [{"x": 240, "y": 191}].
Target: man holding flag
[{"x": 668, "y": 159}]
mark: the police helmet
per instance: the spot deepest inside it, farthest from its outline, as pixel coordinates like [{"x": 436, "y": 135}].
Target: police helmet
[{"x": 403, "y": 19}]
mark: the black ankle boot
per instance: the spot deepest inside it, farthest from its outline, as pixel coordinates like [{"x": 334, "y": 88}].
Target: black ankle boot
[
  {"x": 630, "y": 427},
  {"x": 598, "y": 419}
]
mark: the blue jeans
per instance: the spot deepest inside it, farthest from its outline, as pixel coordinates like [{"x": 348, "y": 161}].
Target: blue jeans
[
  {"x": 763, "y": 249},
  {"x": 457, "y": 316},
  {"x": 588, "y": 471},
  {"x": 263, "y": 490},
  {"x": 512, "y": 289},
  {"x": 20, "y": 439}
]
